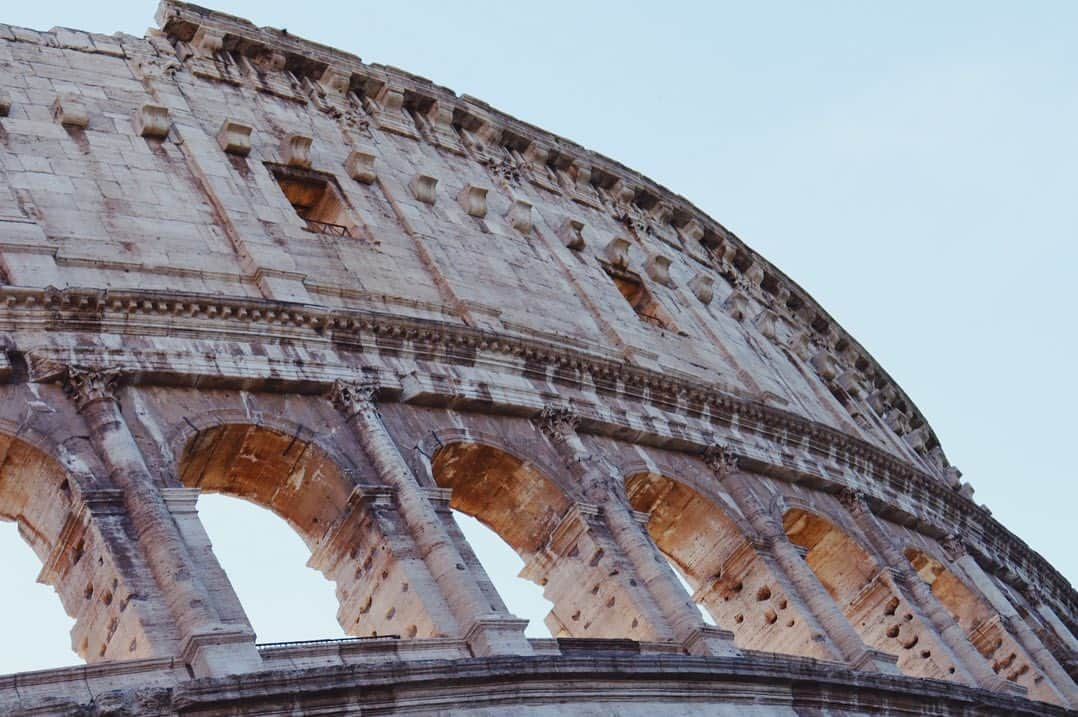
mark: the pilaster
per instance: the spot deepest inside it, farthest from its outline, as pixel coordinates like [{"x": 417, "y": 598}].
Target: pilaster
[
  {"x": 631, "y": 539},
  {"x": 488, "y": 627},
  {"x": 208, "y": 645}
]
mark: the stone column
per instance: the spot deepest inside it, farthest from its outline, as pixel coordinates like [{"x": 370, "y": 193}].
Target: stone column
[
  {"x": 1012, "y": 621},
  {"x": 603, "y": 488},
  {"x": 210, "y": 647},
  {"x": 919, "y": 594},
  {"x": 488, "y": 630},
  {"x": 769, "y": 531}
]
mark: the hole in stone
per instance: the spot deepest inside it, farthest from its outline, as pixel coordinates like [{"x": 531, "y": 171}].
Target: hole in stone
[
  {"x": 926, "y": 654},
  {"x": 892, "y": 631},
  {"x": 763, "y": 593},
  {"x": 770, "y": 616}
]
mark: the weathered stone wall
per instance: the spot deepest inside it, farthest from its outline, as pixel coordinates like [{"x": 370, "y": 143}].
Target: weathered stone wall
[{"x": 237, "y": 261}]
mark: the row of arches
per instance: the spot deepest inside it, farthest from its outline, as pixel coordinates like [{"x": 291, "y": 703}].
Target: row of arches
[{"x": 563, "y": 544}]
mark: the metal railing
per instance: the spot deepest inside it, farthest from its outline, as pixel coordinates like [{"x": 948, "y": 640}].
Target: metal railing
[{"x": 337, "y": 230}]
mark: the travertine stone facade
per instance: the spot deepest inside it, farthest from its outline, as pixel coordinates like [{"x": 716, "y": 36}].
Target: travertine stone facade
[{"x": 232, "y": 260}]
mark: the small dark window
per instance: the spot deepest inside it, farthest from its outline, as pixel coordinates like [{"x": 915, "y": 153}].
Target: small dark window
[
  {"x": 316, "y": 199},
  {"x": 643, "y": 302}
]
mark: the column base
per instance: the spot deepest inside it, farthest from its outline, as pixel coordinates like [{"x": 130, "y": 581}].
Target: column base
[
  {"x": 710, "y": 641},
  {"x": 877, "y": 661},
  {"x": 221, "y": 653},
  {"x": 498, "y": 635}
]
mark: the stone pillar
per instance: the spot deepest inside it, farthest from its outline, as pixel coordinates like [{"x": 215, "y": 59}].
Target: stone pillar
[
  {"x": 210, "y": 647},
  {"x": 919, "y": 595},
  {"x": 847, "y": 642},
  {"x": 603, "y": 488},
  {"x": 105, "y": 585},
  {"x": 488, "y": 628},
  {"x": 1013, "y": 622}
]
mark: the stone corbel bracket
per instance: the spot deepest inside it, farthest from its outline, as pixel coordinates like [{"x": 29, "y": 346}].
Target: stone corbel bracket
[
  {"x": 360, "y": 165},
  {"x": 424, "y": 188},
  {"x": 70, "y": 112},
  {"x": 473, "y": 199},
  {"x": 152, "y": 121},
  {"x": 235, "y": 138},
  {"x": 296, "y": 151}
]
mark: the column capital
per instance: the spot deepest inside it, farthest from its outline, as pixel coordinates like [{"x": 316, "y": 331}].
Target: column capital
[
  {"x": 558, "y": 420},
  {"x": 853, "y": 500},
  {"x": 352, "y": 395},
  {"x": 87, "y": 385},
  {"x": 721, "y": 459},
  {"x": 954, "y": 546}
]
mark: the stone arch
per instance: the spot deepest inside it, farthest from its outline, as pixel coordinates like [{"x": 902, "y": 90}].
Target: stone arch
[
  {"x": 354, "y": 532},
  {"x": 80, "y": 535},
  {"x": 729, "y": 577},
  {"x": 436, "y": 439},
  {"x": 865, "y": 592},
  {"x": 566, "y": 547},
  {"x": 982, "y": 624}
]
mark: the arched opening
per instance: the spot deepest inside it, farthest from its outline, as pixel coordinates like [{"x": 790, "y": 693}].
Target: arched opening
[
  {"x": 350, "y": 532},
  {"x": 76, "y": 558},
  {"x": 32, "y": 618},
  {"x": 565, "y": 548},
  {"x": 982, "y": 625},
  {"x": 867, "y": 596},
  {"x": 723, "y": 570}
]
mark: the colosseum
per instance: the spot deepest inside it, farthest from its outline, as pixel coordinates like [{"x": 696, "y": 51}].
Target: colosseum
[{"x": 236, "y": 261}]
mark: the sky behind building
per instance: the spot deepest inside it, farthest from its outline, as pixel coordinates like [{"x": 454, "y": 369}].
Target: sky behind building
[{"x": 913, "y": 165}]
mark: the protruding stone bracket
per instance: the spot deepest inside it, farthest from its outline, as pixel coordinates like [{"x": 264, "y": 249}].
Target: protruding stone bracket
[
  {"x": 520, "y": 215},
  {"x": 424, "y": 188},
  {"x": 152, "y": 121},
  {"x": 473, "y": 199},
  {"x": 360, "y": 165},
  {"x": 617, "y": 253},
  {"x": 235, "y": 138},
  {"x": 703, "y": 287},
  {"x": 658, "y": 268},
  {"x": 296, "y": 150},
  {"x": 335, "y": 81},
  {"x": 572, "y": 234},
  {"x": 207, "y": 42},
  {"x": 737, "y": 305},
  {"x": 70, "y": 112}
]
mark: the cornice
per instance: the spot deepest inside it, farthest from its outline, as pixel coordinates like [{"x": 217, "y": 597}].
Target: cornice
[{"x": 149, "y": 313}]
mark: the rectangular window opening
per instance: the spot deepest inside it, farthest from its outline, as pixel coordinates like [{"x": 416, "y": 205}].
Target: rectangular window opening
[
  {"x": 641, "y": 299},
  {"x": 316, "y": 199}
]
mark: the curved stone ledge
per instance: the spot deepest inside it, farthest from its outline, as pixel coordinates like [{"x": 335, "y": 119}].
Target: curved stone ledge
[{"x": 541, "y": 685}]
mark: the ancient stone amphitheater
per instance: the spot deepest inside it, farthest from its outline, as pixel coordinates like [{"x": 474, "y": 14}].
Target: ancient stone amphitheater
[{"x": 233, "y": 260}]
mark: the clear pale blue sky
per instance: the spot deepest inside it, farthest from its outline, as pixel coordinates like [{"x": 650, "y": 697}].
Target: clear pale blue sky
[{"x": 913, "y": 165}]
